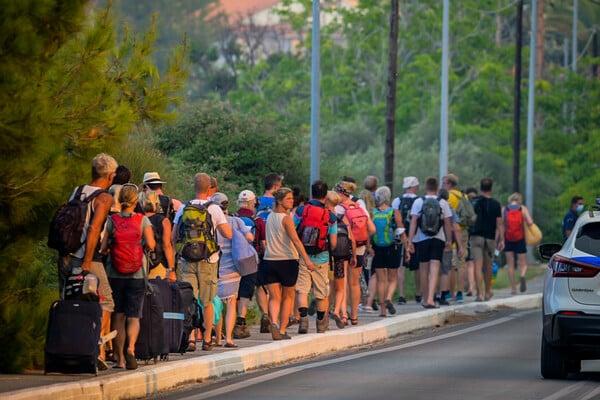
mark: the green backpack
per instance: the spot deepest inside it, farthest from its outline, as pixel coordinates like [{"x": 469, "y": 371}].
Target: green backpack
[{"x": 196, "y": 240}]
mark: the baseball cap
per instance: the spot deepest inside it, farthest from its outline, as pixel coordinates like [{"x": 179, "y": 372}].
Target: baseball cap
[
  {"x": 152, "y": 177},
  {"x": 247, "y": 195},
  {"x": 221, "y": 199},
  {"x": 410, "y": 181}
]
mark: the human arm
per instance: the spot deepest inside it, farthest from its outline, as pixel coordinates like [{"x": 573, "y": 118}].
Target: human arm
[
  {"x": 500, "y": 233},
  {"x": 102, "y": 204},
  {"x": 290, "y": 229},
  {"x": 527, "y": 216},
  {"x": 352, "y": 241},
  {"x": 168, "y": 249}
]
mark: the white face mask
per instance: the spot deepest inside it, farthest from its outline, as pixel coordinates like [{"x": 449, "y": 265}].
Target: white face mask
[{"x": 580, "y": 208}]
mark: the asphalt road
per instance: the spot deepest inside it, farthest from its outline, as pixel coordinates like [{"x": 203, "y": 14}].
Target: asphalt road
[{"x": 492, "y": 358}]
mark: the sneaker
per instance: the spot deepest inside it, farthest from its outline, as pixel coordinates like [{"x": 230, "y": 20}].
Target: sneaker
[
  {"x": 469, "y": 294},
  {"x": 322, "y": 325},
  {"x": 442, "y": 301},
  {"x": 401, "y": 300},
  {"x": 241, "y": 331},
  {"x": 374, "y": 306},
  {"x": 303, "y": 325},
  {"x": 390, "y": 307},
  {"x": 459, "y": 297},
  {"x": 418, "y": 299},
  {"x": 285, "y": 336},
  {"x": 275, "y": 334},
  {"x": 523, "y": 286},
  {"x": 265, "y": 324},
  {"x": 367, "y": 309},
  {"x": 312, "y": 308},
  {"x": 293, "y": 321}
]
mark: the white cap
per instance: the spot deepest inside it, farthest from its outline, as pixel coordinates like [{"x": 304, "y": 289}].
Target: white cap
[
  {"x": 410, "y": 181},
  {"x": 152, "y": 177},
  {"x": 220, "y": 198},
  {"x": 247, "y": 195}
]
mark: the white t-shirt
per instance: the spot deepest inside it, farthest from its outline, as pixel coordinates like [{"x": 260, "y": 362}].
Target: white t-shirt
[{"x": 416, "y": 210}]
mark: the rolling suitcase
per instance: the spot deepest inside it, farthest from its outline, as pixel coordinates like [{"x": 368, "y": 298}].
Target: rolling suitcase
[
  {"x": 73, "y": 336},
  {"x": 173, "y": 315},
  {"x": 149, "y": 344},
  {"x": 193, "y": 317}
]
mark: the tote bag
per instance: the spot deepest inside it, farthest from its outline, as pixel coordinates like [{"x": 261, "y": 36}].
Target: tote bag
[
  {"x": 533, "y": 235},
  {"x": 244, "y": 255}
]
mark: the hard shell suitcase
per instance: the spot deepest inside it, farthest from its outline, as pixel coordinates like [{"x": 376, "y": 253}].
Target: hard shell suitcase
[
  {"x": 149, "y": 344},
  {"x": 173, "y": 315},
  {"x": 73, "y": 336}
]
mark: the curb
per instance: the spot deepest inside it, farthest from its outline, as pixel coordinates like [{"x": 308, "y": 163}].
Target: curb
[{"x": 146, "y": 382}]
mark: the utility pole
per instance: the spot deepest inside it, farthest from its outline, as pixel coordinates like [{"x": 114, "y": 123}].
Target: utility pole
[
  {"x": 315, "y": 103},
  {"x": 390, "y": 126},
  {"x": 517, "y": 99},
  {"x": 531, "y": 110},
  {"x": 444, "y": 94}
]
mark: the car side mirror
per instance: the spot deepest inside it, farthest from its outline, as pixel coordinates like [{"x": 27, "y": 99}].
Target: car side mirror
[{"x": 547, "y": 250}]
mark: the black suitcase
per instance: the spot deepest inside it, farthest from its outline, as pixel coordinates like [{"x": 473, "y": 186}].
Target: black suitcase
[
  {"x": 173, "y": 315},
  {"x": 73, "y": 336},
  {"x": 149, "y": 344},
  {"x": 193, "y": 317}
]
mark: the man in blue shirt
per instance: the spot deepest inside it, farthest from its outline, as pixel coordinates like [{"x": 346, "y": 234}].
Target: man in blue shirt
[
  {"x": 577, "y": 205},
  {"x": 308, "y": 219}
]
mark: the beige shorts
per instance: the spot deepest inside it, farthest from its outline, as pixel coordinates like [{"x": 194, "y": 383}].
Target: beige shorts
[
  {"x": 459, "y": 262},
  {"x": 203, "y": 278},
  {"x": 317, "y": 279},
  {"x": 482, "y": 249}
]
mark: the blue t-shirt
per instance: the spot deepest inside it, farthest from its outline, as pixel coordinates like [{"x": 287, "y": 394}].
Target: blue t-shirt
[
  {"x": 323, "y": 256},
  {"x": 569, "y": 222}
]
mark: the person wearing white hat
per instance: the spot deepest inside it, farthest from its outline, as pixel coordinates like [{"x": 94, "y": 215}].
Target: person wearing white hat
[
  {"x": 404, "y": 203},
  {"x": 168, "y": 205}
]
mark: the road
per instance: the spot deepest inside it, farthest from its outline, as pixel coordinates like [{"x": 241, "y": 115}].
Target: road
[{"x": 492, "y": 358}]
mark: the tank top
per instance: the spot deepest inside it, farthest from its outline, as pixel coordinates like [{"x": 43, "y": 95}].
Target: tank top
[{"x": 279, "y": 244}]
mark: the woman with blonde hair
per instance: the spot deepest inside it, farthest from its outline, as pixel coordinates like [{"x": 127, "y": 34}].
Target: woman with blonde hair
[{"x": 515, "y": 215}]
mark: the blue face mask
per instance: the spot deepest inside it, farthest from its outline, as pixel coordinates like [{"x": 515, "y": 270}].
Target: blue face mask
[{"x": 580, "y": 208}]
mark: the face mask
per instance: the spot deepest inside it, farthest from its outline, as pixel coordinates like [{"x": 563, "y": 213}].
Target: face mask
[{"x": 580, "y": 208}]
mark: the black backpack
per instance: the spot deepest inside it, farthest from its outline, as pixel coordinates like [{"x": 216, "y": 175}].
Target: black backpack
[
  {"x": 343, "y": 250},
  {"x": 166, "y": 207},
  {"x": 158, "y": 255},
  {"x": 404, "y": 207},
  {"x": 66, "y": 227},
  {"x": 430, "y": 217}
]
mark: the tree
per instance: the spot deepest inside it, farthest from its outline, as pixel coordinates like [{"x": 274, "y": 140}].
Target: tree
[{"x": 69, "y": 91}]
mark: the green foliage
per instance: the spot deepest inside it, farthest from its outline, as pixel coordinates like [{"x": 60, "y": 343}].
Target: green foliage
[
  {"x": 239, "y": 150},
  {"x": 69, "y": 91}
]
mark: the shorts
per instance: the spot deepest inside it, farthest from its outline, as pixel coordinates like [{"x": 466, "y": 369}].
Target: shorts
[
  {"x": 338, "y": 268},
  {"x": 461, "y": 262},
  {"x": 260, "y": 274},
  {"x": 317, "y": 279},
  {"x": 482, "y": 249},
  {"x": 203, "y": 276},
  {"x": 413, "y": 264},
  {"x": 430, "y": 249},
  {"x": 284, "y": 272},
  {"x": 247, "y": 284},
  {"x": 360, "y": 261},
  {"x": 129, "y": 296},
  {"x": 516, "y": 247},
  {"x": 67, "y": 263},
  {"x": 386, "y": 257},
  {"x": 446, "y": 264}
]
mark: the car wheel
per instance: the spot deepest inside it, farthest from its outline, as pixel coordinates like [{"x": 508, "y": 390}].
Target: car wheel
[
  {"x": 573, "y": 366},
  {"x": 553, "y": 362}
]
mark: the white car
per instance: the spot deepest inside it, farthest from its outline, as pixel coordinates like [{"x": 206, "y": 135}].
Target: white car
[{"x": 571, "y": 301}]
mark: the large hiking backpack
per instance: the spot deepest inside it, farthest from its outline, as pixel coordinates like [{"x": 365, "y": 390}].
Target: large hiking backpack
[
  {"x": 197, "y": 235},
  {"x": 126, "y": 250},
  {"x": 384, "y": 227},
  {"x": 404, "y": 207},
  {"x": 157, "y": 256},
  {"x": 513, "y": 223},
  {"x": 430, "y": 217},
  {"x": 480, "y": 206},
  {"x": 465, "y": 211},
  {"x": 343, "y": 249},
  {"x": 166, "y": 208},
  {"x": 313, "y": 227},
  {"x": 358, "y": 223},
  {"x": 68, "y": 224}
]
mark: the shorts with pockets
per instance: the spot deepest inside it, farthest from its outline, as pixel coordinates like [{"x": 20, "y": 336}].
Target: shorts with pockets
[{"x": 203, "y": 276}]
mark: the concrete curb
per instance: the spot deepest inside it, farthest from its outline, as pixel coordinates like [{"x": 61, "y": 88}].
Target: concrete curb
[{"x": 165, "y": 376}]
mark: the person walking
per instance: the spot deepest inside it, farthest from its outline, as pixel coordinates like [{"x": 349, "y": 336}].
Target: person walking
[
  {"x": 280, "y": 262},
  {"x": 515, "y": 215}
]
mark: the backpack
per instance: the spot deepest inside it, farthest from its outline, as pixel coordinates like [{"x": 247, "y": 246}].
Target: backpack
[
  {"x": 430, "y": 217},
  {"x": 464, "y": 210},
  {"x": 313, "y": 227},
  {"x": 68, "y": 224},
  {"x": 263, "y": 211},
  {"x": 480, "y": 206},
  {"x": 404, "y": 207},
  {"x": 513, "y": 223},
  {"x": 358, "y": 223},
  {"x": 157, "y": 256},
  {"x": 384, "y": 227},
  {"x": 343, "y": 249},
  {"x": 197, "y": 235},
  {"x": 126, "y": 250},
  {"x": 166, "y": 207}
]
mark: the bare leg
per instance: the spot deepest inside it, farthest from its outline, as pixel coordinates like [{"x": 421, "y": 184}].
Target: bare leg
[
  {"x": 392, "y": 283},
  {"x": 287, "y": 305},
  {"x": 353, "y": 277},
  {"x": 510, "y": 267},
  {"x": 275, "y": 293},
  {"x": 479, "y": 278},
  {"x": 230, "y": 317},
  {"x": 434, "y": 270},
  {"x": 119, "y": 341},
  {"x": 133, "y": 331}
]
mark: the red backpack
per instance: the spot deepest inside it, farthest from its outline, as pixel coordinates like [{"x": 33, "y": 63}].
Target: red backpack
[
  {"x": 358, "y": 223},
  {"x": 126, "y": 247},
  {"x": 313, "y": 227},
  {"x": 513, "y": 224}
]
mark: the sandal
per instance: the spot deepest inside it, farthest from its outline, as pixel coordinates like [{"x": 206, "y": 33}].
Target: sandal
[
  {"x": 230, "y": 345},
  {"x": 191, "y": 346},
  {"x": 207, "y": 346},
  {"x": 130, "y": 362},
  {"x": 338, "y": 321},
  {"x": 353, "y": 321},
  {"x": 109, "y": 355}
]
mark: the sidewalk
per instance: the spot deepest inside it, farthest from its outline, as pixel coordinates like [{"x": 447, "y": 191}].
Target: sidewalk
[{"x": 257, "y": 351}]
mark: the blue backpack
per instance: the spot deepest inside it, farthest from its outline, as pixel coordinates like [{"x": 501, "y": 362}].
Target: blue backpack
[{"x": 384, "y": 227}]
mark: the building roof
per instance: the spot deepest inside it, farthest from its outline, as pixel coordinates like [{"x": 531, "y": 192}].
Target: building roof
[{"x": 237, "y": 7}]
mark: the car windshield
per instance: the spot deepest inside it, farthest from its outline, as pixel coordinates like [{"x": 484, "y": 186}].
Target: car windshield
[{"x": 588, "y": 239}]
